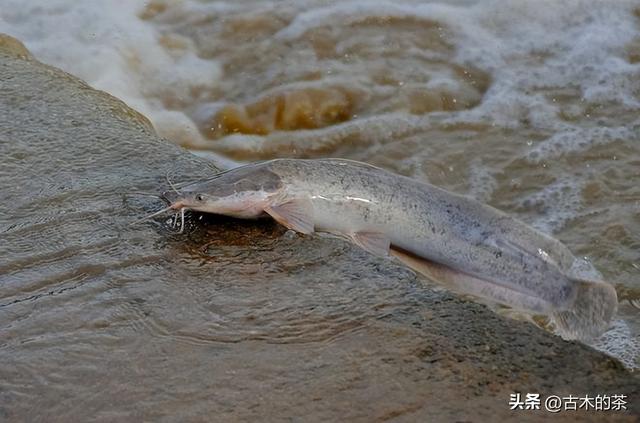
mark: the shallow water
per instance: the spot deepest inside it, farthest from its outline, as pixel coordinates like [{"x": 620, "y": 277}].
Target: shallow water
[
  {"x": 531, "y": 109},
  {"x": 104, "y": 321}
]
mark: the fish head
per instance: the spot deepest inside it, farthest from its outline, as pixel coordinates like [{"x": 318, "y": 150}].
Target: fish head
[{"x": 242, "y": 192}]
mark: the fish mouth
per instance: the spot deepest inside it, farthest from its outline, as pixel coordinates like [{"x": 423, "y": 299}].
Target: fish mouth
[{"x": 177, "y": 205}]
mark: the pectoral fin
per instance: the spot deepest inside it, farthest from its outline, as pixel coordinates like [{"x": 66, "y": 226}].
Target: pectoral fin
[
  {"x": 294, "y": 214},
  {"x": 376, "y": 243}
]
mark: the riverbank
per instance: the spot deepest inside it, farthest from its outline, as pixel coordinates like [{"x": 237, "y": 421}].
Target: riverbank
[{"x": 101, "y": 321}]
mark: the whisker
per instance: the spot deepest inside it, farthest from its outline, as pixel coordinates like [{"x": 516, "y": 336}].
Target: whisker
[
  {"x": 182, "y": 220},
  {"x": 175, "y": 220},
  {"x": 148, "y": 194},
  {"x": 217, "y": 175},
  {"x": 173, "y": 187},
  {"x": 152, "y": 215}
]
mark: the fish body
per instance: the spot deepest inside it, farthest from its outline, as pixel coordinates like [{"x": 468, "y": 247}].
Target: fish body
[{"x": 454, "y": 239}]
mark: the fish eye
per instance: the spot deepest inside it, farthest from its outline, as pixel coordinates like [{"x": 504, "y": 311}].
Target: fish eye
[{"x": 199, "y": 197}]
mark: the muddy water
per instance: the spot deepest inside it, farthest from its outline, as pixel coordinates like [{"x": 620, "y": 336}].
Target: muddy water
[
  {"x": 104, "y": 321},
  {"x": 531, "y": 109},
  {"x": 534, "y": 110}
]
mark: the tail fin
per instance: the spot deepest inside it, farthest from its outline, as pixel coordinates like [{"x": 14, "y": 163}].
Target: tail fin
[{"x": 590, "y": 314}]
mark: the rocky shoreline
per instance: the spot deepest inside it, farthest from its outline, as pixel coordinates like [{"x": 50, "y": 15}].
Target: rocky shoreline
[{"x": 81, "y": 337}]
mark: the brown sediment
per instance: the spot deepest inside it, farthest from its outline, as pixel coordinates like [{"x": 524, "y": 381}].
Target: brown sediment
[
  {"x": 249, "y": 27},
  {"x": 592, "y": 192},
  {"x": 424, "y": 100},
  {"x": 262, "y": 323},
  {"x": 266, "y": 86},
  {"x": 633, "y": 51},
  {"x": 10, "y": 45},
  {"x": 152, "y": 9},
  {"x": 291, "y": 110}
]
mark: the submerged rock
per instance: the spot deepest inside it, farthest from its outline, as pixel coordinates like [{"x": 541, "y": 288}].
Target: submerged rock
[{"x": 100, "y": 320}]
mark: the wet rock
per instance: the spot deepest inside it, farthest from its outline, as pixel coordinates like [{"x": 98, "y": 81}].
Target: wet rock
[{"x": 101, "y": 320}]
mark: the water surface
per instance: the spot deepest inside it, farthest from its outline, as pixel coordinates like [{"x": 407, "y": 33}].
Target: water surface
[{"x": 534, "y": 110}]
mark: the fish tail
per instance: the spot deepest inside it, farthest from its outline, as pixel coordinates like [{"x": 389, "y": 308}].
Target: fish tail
[{"x": 590, "y": 313}]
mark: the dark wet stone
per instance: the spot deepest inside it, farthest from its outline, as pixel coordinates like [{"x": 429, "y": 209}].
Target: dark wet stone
[{"x": 103, "y": 321}]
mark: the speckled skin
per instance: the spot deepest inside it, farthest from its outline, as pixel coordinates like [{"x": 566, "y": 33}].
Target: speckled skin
[
  {"x": 431, "y": 223},
  {"x": 454, "y": 239}
]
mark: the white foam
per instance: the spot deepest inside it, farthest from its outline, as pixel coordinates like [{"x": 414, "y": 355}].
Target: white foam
[
  {"x": 579, "y": 44},
  {"x": 575, "y": 139},
  {"x": 369, "y": 131},
  {"x": 620, "y": 342},
  {"x": 528, "y": 48},
  {"x": 350, "y": 12},
  {"x": 481, "y": 180},
  {"x": 557, "y": 203},
  {"x": 107, "y": 45}
]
